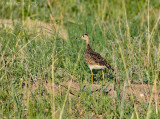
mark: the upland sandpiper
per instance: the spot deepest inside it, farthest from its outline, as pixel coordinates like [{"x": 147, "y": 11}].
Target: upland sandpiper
[{"x": 94, "y": 60}]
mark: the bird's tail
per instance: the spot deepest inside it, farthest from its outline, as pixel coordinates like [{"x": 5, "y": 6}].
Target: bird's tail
[
  {"x": 112, "y": 69},
  {"x": 109, "y": 67}
]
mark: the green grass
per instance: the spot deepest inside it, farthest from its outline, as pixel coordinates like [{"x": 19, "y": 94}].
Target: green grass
[{"x": 118, "y": 30}]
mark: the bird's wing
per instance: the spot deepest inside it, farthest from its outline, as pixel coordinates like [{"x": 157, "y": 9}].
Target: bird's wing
[{"x": 100, "y": 60}]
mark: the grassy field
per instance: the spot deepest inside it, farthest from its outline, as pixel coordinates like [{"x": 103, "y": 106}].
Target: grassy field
[{"x": 42, "y": 70}]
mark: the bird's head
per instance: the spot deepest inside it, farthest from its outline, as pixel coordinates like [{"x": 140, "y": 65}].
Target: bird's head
[{"x": 84, "y": 37}]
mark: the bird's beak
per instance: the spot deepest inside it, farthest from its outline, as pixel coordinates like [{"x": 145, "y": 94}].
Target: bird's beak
[{"x": 78, "y": 37}]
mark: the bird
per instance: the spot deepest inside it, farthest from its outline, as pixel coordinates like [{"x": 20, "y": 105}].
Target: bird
[{"x": 93, "y": 59}]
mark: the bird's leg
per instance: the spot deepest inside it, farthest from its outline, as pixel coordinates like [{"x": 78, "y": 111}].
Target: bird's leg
[
  {"x": 92, "y": 76},
  {"x": 103, "y": 75}
]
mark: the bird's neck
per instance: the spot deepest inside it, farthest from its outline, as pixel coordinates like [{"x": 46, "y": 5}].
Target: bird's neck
[
  {"x": 88, "y": 48},
  {"x": 87, "y": 42}
]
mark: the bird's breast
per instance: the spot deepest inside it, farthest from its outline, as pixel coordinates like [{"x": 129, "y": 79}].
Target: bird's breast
[{"x": 96, "y": 67}]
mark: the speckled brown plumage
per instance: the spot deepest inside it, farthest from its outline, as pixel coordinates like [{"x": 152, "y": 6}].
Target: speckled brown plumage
[{"x": 93, "y": 58}]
